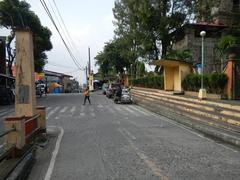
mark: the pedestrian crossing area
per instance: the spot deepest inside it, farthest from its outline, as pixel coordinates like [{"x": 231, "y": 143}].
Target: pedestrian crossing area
[
  {"x": 55, "y": 112},
  {"x": 96, "y": 110}
]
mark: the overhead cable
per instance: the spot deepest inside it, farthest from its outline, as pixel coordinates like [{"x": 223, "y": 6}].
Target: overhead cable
[
  {"x": 66, "y": 30},
  {"x": 56, "y": 27}
]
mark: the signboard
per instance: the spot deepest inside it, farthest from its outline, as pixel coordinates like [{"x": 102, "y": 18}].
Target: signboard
[{"x": 23, "y": 94}]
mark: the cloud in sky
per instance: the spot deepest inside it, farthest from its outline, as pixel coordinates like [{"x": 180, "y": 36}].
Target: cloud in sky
[
  {"x": 88, "y": 22},
  {"x": 90, "y": 25}
]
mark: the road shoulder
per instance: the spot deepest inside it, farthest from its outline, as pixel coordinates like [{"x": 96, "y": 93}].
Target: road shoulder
[{"x": 44, "y": 155}]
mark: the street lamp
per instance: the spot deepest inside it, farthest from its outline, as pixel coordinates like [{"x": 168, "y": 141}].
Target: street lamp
[{"x": 202, "y": 92}]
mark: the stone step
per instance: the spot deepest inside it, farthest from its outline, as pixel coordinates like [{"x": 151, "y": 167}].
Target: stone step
[
  {"x": 197, "y": 114},
  {"x": 219, "y": 104},
  {"x": 172, "y": 113},
  {"x": 227, "y": 115},
  {"x": 233, "y": 111},
  {"x": 218, "y": 133}
]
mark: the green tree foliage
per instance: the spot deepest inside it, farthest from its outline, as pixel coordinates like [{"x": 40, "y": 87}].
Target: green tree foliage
[
  {"x": 113, "y": 57},
  {"x": 148, "y": 24},
  {"x": 17, "y": 14},
  {"x": 214, "y": 82},
  {"x": 140, "y": 69},
  {"x": 226, "y": 42},
  {"x": 203, "y": 9},
  {"x": 230, "y": 43},
  {"x": 185, "y": 55},
  {"x": 149, "y": 82}
]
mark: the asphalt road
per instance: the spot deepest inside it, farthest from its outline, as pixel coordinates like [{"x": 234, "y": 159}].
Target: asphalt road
[{"x": 110, "y": 141}]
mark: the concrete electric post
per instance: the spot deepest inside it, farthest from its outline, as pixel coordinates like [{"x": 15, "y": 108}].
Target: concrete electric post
[
  {"x": 25, "y": 101},
  {"x": 202, "y": 92}
]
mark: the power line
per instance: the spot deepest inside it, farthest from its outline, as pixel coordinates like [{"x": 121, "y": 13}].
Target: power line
[
  {"x": 56, "y": 27},
  {"x": 65, "y": 27},
  {"x": 51, "y": 18},
  {"x": 71, "y": 72},
  {"x": 60, "y": 25},
  {"x": 59, "y": 65}
]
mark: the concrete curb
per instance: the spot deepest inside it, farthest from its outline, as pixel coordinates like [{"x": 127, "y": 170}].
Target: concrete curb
[
  {"x": 210, "y": 131},
  {"x": 26, "y": 163},
  {"x": 23, "y": 168},
  {"x": 44, "y": 154}
]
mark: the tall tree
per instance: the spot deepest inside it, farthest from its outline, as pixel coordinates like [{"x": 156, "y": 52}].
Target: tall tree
[
  {"x": 149, "y": 23},
  {"x": 140, "y": 69},
  {"x": 203, "y": 9},
  {"x": 115, "y": 56},
  {"x": 17, "y": 14}
]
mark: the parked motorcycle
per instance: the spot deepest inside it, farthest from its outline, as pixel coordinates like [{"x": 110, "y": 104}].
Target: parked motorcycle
[{"x": 123, "y": 97}]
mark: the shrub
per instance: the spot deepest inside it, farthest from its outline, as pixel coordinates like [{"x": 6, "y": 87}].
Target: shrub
[
  {"x": 213, "y": 83},
  {"x": 149, "y": 82}
]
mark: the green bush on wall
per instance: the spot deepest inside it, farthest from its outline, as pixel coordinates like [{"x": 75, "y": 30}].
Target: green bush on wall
[
  {"x": 149, "y": 82},
  {"x": 213, "y": 83}
]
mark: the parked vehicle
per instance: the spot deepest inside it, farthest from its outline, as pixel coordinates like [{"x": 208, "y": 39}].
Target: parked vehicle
[
  {"x": 39, "y": 91},
  {"x": 105, "y": 88},
  {"x": 112, "y": 89},
  {"x": 117, "y": 95},
  {"x": 41, "y": 87},
  {"x": 124, "y": 97},
  {"x": 7, "y": 89},
  {"x": 96, "y": 85},
  {"x": 76, "y": 90},
  {"x": 109, "y": 93}
]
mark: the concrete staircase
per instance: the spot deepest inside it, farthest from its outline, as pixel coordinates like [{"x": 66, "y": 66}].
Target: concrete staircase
[{"x": 221, "y": 115}]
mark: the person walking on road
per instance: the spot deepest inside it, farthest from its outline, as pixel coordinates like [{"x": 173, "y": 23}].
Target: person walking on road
[{"x": 86, "y": 96}]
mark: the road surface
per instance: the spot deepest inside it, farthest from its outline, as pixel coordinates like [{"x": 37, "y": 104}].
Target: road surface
[{"x": 111, "y": 141}]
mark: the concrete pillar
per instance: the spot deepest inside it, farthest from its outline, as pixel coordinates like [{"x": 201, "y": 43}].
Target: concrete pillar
[
  {"x": 42, "y": 119},
  {"x": 17, "y": 137},
  {"x": 229, "y": 72},
  {"x": 202, "y": 95},
  {"x": 168, "y": 78},
  {"x": 25, "y": 101}
]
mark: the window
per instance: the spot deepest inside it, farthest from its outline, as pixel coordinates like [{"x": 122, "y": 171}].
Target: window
[{"x": 236, "y": 5}]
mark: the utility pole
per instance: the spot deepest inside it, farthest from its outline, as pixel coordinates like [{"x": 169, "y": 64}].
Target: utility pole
[
  {"x": 25, "y": 103},
  {"x": 90, "y": 72},
  {"x": 86, "y": 71},
  {"x": 89, "y": 61}
]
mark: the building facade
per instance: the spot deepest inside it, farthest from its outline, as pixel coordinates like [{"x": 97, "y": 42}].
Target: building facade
[
  {"x": 188, "y": 37},
  {"x": 59, "y": 80}
]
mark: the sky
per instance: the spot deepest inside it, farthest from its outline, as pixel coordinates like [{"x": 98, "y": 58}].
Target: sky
[{"x": 89, "y": 23}]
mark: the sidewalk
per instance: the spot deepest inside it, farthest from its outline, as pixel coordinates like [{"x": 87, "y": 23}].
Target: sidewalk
[
  {"x": 44, "y": 155},
  {"x": 35, "y": 164},
  {"x": 216, "y": 118}
]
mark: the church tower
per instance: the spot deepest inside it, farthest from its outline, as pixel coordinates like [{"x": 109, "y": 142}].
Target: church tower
[{"x": 225, "y": 12}]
